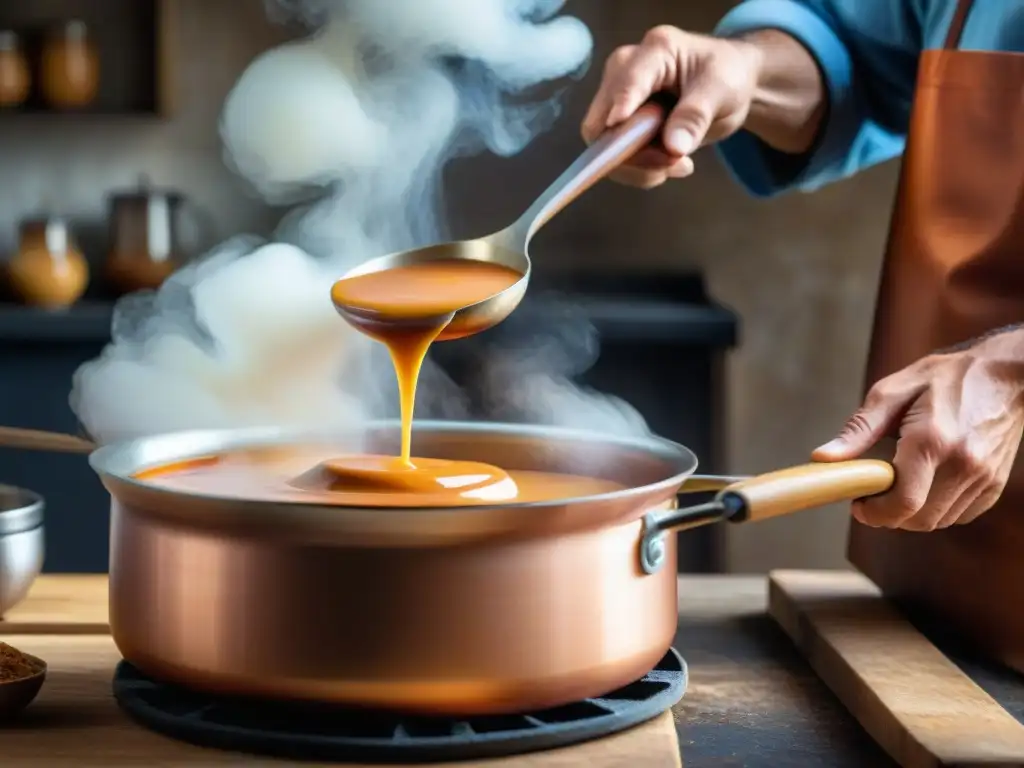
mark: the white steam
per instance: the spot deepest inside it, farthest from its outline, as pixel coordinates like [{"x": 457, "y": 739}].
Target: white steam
[
  {"x": 543, "y": 362},
  {"x": 351, "y": 127}
]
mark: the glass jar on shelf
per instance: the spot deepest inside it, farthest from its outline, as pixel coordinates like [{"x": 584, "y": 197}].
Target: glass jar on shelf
[
  {"x": 15, "y": 77},
  {"x": 48, "y": 270},
  {"x": 69, "y": 67}
]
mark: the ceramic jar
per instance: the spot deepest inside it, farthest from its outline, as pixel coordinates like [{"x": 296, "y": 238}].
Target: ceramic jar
[{"x": 144, "y": 247}]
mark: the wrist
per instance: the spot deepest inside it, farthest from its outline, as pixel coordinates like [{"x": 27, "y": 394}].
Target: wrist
[
  {"x": 1005, "y": 341},
  {"x": 754, "y": 47},
  {"x": 1002, "y": 351},
  {"x": 789, "y": 101}
]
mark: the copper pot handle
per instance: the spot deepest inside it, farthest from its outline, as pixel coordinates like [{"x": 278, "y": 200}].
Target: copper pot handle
[{"x": 774, "y": 494}]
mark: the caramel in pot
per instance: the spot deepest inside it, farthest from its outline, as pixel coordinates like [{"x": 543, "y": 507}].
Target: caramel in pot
[{"x": 280, "y": 476}]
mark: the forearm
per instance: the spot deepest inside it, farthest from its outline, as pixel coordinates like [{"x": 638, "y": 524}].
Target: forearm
[{"x": 791, "y": 99}]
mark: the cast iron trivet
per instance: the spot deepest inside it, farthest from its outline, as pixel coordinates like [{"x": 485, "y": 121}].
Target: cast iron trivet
[{"x": 306, "y": 732}]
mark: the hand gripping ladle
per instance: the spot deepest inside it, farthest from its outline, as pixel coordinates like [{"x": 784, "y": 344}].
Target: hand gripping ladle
[{"x": 509, "y": 247}]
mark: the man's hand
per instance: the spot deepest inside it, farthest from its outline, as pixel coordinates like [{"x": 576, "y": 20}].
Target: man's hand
[
  {"x": 960, "y": 416},
  {"x": 715, "y": 80},
  {"x": 765, "y": 82}
]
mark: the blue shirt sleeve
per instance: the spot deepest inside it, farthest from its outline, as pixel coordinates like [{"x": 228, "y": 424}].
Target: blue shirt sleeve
[{"x": 867, "y": 51}]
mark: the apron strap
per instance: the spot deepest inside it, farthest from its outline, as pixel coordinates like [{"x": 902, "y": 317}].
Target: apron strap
[{"x": 956, "y": 28}]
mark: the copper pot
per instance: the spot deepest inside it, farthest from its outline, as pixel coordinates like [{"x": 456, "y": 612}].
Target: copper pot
[{"x": 478, "y": 610}]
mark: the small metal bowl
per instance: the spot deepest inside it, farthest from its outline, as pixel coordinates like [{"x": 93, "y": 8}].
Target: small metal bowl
[
  {"x": 21, "y": 544},
  {"x": 15, "y": 695}
]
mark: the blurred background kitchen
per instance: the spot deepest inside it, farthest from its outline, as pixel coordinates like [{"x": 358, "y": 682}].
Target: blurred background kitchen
[{"x": 111, "y": 172}]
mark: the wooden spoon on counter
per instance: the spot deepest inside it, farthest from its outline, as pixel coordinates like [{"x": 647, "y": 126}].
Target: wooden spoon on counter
[{"x": 39, "y": 440}]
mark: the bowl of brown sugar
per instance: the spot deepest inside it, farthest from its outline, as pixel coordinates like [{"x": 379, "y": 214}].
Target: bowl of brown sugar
[{"x": 21, "y": 677}]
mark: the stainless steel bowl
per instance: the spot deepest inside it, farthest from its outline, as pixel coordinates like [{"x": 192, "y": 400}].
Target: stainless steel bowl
[{"x": 21, "y": 543}]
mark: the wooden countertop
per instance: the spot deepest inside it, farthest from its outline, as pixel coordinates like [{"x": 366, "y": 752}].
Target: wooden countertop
[{"x": 752, "y": 701}]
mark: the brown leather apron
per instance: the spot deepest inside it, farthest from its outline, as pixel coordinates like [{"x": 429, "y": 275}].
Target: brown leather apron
[{"x": 954, "y": 269}]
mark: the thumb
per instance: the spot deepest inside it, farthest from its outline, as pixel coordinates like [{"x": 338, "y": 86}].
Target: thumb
[
  {"x": 864, "y": 428},
  {"x": 693, "y": 115}
]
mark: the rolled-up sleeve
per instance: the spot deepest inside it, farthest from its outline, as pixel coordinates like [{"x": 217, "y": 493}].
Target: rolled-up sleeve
[{"x": 867, "y": 52}]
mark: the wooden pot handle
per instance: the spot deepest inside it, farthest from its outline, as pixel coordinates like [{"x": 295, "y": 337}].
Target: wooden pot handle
[
  {"x": 764, "y": 496},
  {"x": 810, "y": 485}
]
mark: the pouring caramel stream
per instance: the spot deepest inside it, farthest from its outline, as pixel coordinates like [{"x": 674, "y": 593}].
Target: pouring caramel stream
[{"x": 407, "y": 308}]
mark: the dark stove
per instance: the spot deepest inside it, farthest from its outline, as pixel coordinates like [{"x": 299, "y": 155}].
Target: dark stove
[
  {"x": 663, "y": 342},
  {"x": 321, "y": 732}
]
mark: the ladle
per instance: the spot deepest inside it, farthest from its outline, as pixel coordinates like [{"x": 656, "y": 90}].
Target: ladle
[{"x": 509, "y": 246}]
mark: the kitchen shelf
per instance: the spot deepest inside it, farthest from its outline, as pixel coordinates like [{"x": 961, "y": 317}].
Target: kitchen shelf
[
  {"x": 70, "y": 114},
  {"x": 84, "y": 321},
  {"x": 133, "y": 42},
  {"x": 683, "y": 318}
]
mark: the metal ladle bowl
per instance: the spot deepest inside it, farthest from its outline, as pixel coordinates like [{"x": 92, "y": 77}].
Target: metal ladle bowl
[{"x": 509, "y": 247}]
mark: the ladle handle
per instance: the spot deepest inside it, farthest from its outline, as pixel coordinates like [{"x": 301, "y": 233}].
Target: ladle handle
[
  {"x": 38, "y": 440},
  {"x": 607, "y": 153}
]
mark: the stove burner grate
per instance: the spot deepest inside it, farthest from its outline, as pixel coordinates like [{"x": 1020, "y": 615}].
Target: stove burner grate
[{"x": 323, "y": 732}]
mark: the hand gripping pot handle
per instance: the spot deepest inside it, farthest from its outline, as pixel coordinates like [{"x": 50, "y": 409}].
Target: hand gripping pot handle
[{"x": 774, "y": 494}]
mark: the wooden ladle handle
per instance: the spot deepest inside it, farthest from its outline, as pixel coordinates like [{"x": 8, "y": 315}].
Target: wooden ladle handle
[
  {"x": 803, "y": 487},
  {"x": 607, "y": 153},
  {"x": 38, "y": 440}
]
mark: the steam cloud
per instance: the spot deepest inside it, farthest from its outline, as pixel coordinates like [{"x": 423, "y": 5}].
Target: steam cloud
[{"x": 351, "y": 127}]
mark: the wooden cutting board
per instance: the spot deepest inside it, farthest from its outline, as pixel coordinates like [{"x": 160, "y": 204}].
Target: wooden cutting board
[
  {"x": 914, "y": 701},
  {"x": 76, "y": 723},
  {"x": 61, "y": 605}
]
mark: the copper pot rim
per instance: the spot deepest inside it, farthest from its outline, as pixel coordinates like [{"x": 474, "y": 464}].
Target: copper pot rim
[{"x": 667, "y": 466}]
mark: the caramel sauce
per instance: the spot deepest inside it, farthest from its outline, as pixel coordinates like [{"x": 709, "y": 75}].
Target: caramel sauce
[
  {"x": 426, "y": 296},
  {"x": 431, "y": 290}
]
